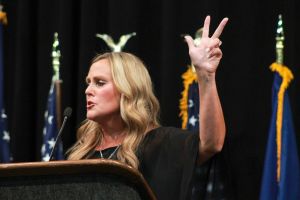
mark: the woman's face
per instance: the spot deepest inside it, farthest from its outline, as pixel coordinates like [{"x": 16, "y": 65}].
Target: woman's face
[{"x": 102, "y": 97}]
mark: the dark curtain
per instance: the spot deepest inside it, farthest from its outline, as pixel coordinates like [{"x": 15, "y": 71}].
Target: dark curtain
[{"x": 244, "y": 79}]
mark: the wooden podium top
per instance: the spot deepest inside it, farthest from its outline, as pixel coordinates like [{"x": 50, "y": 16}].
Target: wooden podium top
[{"x": 98, "y": 166}]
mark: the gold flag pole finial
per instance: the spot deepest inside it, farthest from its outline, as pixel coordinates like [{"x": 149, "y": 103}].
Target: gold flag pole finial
[
  {"x": 279, "y": 41},
  {"x": 116, "y": 47},
  {"x": 55, "y": 57}
]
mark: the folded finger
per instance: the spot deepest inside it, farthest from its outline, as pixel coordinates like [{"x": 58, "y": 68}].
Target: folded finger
[{"x": 214, "y": 53}]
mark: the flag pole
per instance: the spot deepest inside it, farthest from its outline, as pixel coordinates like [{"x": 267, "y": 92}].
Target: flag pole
[
  {"x": 279, "y": 60},
  {"x": 56, "y": 65},
  {"x": 279, "y": 41}
]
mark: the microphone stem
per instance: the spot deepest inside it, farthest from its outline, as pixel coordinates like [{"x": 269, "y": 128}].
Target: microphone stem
[{"x": 57, "y": 137}]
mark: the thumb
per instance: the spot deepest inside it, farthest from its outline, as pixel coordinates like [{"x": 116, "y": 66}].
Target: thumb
[{"x": 189, "y": 40}]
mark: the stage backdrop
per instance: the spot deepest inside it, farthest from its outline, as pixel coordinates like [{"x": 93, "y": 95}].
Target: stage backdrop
[{"x": 244, "y": 79}]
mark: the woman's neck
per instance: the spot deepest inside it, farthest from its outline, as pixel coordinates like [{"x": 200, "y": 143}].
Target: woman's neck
[{"x": 112, "y": 136}]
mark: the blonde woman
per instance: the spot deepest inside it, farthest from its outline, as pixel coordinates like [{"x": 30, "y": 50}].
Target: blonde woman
[{"x": 122, "y": 119}]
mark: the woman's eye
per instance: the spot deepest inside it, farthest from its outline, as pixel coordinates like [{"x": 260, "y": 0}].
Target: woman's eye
[
  {"x": 96, "y": 83},
  {"x": 99, "y": 83}
]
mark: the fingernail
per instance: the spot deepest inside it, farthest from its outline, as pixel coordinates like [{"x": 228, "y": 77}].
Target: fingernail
[{"x": 207, "y": 49}]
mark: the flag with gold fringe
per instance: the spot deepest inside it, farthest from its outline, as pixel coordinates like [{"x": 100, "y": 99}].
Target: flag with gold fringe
[
  {"x": 4, "y": 134},
  {"x": 281, "y": 175},
  {"x": 189, "y": 103}
]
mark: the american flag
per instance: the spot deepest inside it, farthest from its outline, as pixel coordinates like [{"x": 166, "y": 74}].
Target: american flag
[
  {"x": 193, "y": 107},
  {"x": 50, "y": 129},
  {"x": 5, "y": 138},
  {"x": 4, "y": 134}
]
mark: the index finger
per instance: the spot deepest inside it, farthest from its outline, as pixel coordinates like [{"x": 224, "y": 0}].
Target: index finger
[{"x": 220, "y": 28}]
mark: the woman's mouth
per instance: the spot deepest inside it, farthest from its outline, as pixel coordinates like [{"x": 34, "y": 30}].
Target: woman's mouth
[{"x": 89, "y": 105}]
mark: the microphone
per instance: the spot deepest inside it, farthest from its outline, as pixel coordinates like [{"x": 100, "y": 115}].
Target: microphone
[{"x": 67, "y": 114}]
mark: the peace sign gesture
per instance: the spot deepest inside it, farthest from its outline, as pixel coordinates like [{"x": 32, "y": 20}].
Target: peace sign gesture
[{"x": 206, "y": 55}]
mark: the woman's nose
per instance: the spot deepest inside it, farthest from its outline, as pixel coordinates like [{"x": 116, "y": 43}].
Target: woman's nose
[{"x": 89, "y": 89}]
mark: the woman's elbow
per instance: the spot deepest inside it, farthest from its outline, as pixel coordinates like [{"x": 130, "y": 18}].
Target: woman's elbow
[
  {"x": 220, "y": 142},
  {"x": 216, "y": 145}
]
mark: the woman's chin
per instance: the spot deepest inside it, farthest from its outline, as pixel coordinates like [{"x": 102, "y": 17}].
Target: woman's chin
[
  {"x": 93, "y": 117},
  {"x": 90, "y": 117}
]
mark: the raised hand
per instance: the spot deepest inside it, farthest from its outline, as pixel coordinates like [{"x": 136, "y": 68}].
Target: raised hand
[{"x": 207, "y": 55}]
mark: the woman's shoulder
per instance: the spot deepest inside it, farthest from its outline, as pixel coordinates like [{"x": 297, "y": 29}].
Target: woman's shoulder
[
  {"x": 167, "y": 141},
  {"x": 166, "y": 133}
]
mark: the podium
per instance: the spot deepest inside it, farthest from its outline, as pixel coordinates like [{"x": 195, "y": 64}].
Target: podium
[{"x": 63, "y": 180}]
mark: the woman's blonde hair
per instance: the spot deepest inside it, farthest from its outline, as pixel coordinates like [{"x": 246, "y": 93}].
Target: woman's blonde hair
[{"x": 139, "y": 109}]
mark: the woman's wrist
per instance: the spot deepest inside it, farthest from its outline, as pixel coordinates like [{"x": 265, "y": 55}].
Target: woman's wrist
[{"x": 205, "y": 76}]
